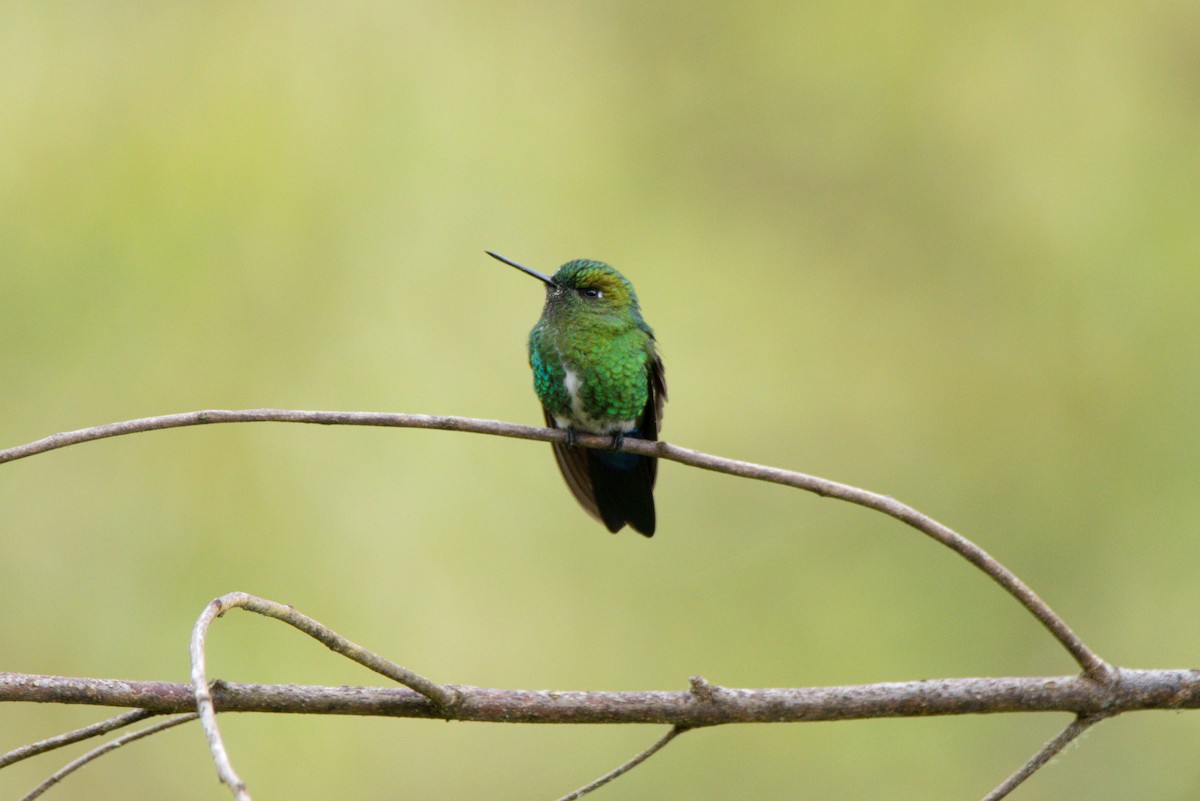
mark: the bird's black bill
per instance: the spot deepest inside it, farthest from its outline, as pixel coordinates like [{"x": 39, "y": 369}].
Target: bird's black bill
[{"x": 543, "y": 278}]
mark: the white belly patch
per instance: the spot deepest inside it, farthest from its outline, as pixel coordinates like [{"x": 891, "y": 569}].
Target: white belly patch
[{"x": 580, "y": 420}]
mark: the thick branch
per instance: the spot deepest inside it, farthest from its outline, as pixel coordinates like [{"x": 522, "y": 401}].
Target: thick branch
[
  {"x": 1132, "y": 690},
  {"x": 1089, "y": 660}
]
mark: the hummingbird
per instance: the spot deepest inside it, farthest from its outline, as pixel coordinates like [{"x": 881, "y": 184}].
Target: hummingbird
[{"x": 596, "y": 370}]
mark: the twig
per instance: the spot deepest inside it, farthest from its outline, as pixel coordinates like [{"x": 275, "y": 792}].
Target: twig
[
  {"x": 442, "y": 697},
  {"x": 94, "y": 730},
  {"x": 205, "y": 707},
  {"x": 626, "y": 767},
  {"x": 95, "y": 753},
  {"x": 1093, "y": 665},
  {"x": 1044, "y": 755}
]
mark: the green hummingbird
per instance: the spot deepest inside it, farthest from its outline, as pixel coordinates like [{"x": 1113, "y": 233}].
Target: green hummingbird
[{"x": 596, "y": 370}]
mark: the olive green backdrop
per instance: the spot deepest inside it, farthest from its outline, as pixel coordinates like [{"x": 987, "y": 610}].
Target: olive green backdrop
[{"x": 945, "y": 251}]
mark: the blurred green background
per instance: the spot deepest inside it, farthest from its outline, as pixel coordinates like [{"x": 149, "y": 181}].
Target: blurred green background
[{"x": 945, "y": 251}]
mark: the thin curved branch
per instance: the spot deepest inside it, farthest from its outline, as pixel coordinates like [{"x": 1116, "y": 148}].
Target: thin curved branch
[
  {"x": 1091, "y": 662},
  {"x": 624, "y": 768},
  {"x": 210, "y": 416},
  {"x": 96, "y": 753},
  {"x": 1044, "y": 755},
  {"x": 443, "y": 698},
  {"x": 205, "y": 707},
  {"x": 68, "y": 738}
]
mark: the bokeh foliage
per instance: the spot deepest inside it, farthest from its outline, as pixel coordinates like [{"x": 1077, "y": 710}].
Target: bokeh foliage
[{"x": 945, "y": 251}]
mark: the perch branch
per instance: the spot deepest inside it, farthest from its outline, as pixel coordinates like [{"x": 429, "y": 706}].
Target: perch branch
[{"x": 1091, "y": 663}]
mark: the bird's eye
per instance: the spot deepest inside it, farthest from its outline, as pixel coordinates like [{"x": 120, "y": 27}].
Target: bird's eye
[{"x": 591, "y": 293}]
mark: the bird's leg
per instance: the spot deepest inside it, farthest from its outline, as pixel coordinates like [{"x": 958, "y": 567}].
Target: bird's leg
[
  {"x": 618, "y": 440},
  {"x": 571, "y": 439}
]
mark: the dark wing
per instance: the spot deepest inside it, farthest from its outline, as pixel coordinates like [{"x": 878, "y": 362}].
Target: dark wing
[
  {"x": 572, "y": 463},
  {"x": 652, "y": 414}
]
